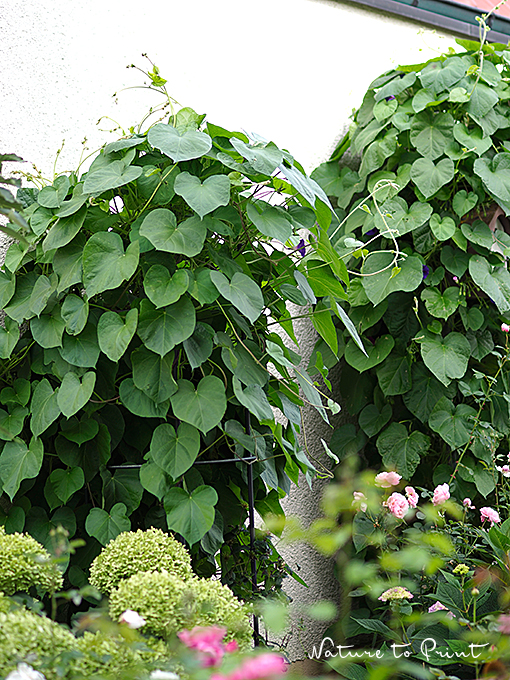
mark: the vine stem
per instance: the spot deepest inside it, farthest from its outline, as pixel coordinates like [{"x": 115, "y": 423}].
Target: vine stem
[{"x": 482, "y": 406}]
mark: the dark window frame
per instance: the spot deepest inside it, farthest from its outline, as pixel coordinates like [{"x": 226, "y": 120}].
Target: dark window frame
[{"x": 447, "y": 15}]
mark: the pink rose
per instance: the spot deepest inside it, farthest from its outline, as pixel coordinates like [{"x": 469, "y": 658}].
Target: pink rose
[
  {"x": 412, "y": 496},
  {"x": 262, "y": 667},
  {"x": 467, "y": 503},
  {"x": 387, "y": 479},
  {"x": 397, "y": 504},
  {"x": 441, "y": 494},
  {"x": 207, "y": 641},
  {"x": 504, "y": 624},
  {"x": 490, "y": 514}
]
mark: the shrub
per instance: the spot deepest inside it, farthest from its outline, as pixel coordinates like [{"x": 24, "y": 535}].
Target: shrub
[
  {"x": 25, "y": 636},
  {"x": 170, "y": 605},
  {"x": 139, "y": 551},
  {"x": 109, "y": 655},
  {"x": 25, "y": 563}
]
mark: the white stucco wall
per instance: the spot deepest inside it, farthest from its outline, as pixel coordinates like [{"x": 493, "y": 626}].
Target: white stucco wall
[{"x": 291, "y": 70}]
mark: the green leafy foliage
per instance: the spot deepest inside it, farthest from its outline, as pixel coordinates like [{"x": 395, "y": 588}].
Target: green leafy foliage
[
  {"x": 148, "y": 291},
  {"x": 433, "y": 187}
]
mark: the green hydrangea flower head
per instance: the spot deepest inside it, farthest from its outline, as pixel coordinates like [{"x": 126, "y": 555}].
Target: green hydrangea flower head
[
  {"x": 139, "y": 551},
  {"x": 170, "y": 605},
  {"x": 25, "y": 563},
  {"x": 106, "y": 655},
  {"x": 25, "y": 636}
]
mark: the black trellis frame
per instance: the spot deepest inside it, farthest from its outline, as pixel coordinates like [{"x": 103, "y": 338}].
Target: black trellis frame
[{"x": 248, "y": 460}]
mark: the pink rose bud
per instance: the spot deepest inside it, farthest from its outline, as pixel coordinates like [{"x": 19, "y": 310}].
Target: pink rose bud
[
  {"x": 441, "y": 494},
  {"x": 387, "y": 479},
  {"x": 505, "y": 328}
]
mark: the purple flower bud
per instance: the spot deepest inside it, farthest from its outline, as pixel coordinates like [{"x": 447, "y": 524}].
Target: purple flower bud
[
  {"x": 388, "y": 99},
  {"x": 372, "y": 232},
  {"x": 301, "y": 248},
  {"x": 426, "y": 271}
]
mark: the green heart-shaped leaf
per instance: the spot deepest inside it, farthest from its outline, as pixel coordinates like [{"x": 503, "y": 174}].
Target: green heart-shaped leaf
[
  {"x": 9, "y": 336},
  {"x": 179, "y": 144},
  {"x": 495, "y": 175},
  {"x": 74, "y": 394},
  {"x": 443, "y": 229},
  {"x": 74, "y": 312},
  {"x": 454, "y": 260},
  {"x": 162, "y": 329},
  {"x": 447, "y": 357},
  {"x": 191, "y": 514},
  {"x": 139, "y": 403},
  {"x": 115, "y": 333},
  {"x": 425, "y": 393},
  {"x": 479, "y": 232},
  {"x": 174, "y": 452},
  {"x": 376, "y": 353},
  {"x": 382, "y": 282},
  {"x": 18, "y": 462},
  {"x": 242, "y": 292},
  {"x": 431, "y": 132},
  {"x": 105, "y": 264},
  {"x": 199, "y": 346},
  {"x": 81, "y": 350},
  {"x": 463, "y": 202},
  {"x": 494, "y": 281},
  {"x": 105, "y": 526},
  {"x": 66, "y": 482},
  {"x": 80, "y": 431},
  {"x": 110, "y": 176},
  {"x": 44, "y": 407},
  {"x": 430, "y": 177},
  {"x": 400, "y": 450},
  {"x": 204, "y": 407},
  {"x": 152, "y": 374},
  {"x": 263, "y": 158},
  {"x": 394, "y": 374},
  {"x": 269, "y": 220},
  {"x": 161, "y": 229},
  {"x": 372, "y": 421},
  {"x": 254, "y": 399},
  {"x": 441, "y": 304},
  {"x": 473, "y": 140},
  {"x": 12, "y": 423},
  {"x": 64, "y": 230},
  {"x": 203, "y": 197},
  {"x": 453, "y": 423},
  {"x": 162, "y": 288}
]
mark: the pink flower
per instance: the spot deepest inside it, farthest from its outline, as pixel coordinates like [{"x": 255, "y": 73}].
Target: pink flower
[
  {"x": 358, "y": 501},
  {"x": 387, "y": 479},
  {"x": 504, "y": 624},
  {"x": 262, "y": 667},
  {"x": 505, "y": 470},
  {"x": 398, "y": 505},
  {"x": 467, "y": 503},
  {"x": 441, "y": 494},
  {"x": 437, "y": 606},
  {"x": 208, "y": 642},
  {"x": 505, "y": 328},
  {"x": 412, "y": 496},
  {"x": 490, "y": 514}
]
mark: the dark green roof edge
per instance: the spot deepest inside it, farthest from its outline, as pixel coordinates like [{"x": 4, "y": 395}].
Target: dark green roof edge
[{"x": 444, "y": 14}]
